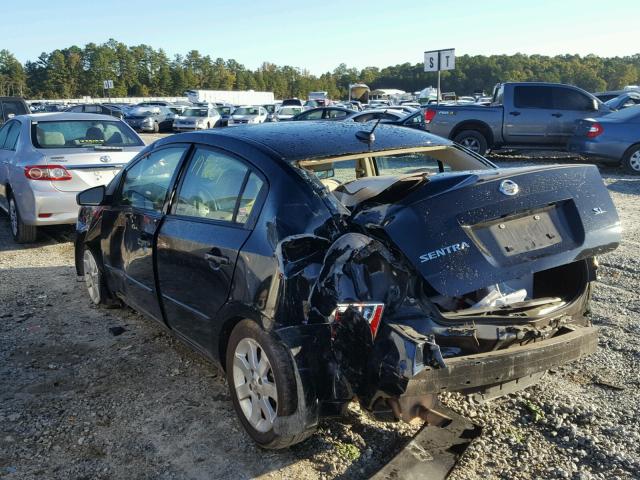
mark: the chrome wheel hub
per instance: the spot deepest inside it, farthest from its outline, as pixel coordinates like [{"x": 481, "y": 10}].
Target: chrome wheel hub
[
  {"x": 91, "y": 276},
  {"x": 255, "y": 384},
  {"x": 634, "y": 161},
  {"x": 471, "y": 144}
]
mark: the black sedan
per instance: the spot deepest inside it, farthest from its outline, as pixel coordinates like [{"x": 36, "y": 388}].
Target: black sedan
[
  {"x": 612, "y": 138},
  {"x": 318, "y": 263},
  {"x": 150, "y": 118},
  {"x": 325, "y": 113}
]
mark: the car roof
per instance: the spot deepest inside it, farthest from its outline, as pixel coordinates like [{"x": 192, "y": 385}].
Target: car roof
[
  {"x": 393, "y": 111},
  {"x": 59, "y": 116},
  {"x": 295, "y": 141}
]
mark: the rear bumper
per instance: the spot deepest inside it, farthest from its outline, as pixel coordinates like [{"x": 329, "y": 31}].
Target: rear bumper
[
  {"x": 60, "y": 207},
  {"x": 596, "y": 151},
  {"x": 484, "y": 369}
]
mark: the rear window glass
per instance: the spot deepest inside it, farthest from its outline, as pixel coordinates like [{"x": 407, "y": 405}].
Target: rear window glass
[
  {"x": 533, "y": 97},
  {"x": 408, "y": 163},
  {"x": 568, "y": 99},
  {"x": 13, "y": 108},
  {"x": 82, "y": 134}
]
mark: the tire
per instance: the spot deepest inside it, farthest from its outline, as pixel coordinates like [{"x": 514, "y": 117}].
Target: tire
[
  {"x": 631, "y": 160},
  {"x": 21, "y": 232},
  {"x": 208, "y": 125},
  {"x": 473, "y": 140},
  {"x": 277, "y": 388},
  {"x": 94, "y": 279}
]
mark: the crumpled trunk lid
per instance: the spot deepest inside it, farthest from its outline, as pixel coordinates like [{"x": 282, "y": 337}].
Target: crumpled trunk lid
[{"x": 464, "y": 231}]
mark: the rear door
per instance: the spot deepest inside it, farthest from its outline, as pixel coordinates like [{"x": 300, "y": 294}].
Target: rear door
[
  {"x": 211, "y": 217},
  {"x": 569, "y": 105},
  {"x": 9, "y": 134},
  {"x": 139, "y": 210},
  {"x": 528, "y": 120}
]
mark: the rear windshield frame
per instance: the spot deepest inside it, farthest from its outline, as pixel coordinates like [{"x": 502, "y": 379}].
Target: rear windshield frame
[{"x": 123, "y": 127}]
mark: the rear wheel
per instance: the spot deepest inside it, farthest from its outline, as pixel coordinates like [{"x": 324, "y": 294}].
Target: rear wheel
[
  {"x": 21, "y": 232},
  {"x": 262, "y": 384},
  {"x": 473, "y": 140},
  {"x": 93, "y": 279},
  {"x": 631, "y": 160}
]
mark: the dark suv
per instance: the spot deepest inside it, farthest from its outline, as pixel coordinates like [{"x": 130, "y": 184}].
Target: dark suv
[{"x": 12, "y": 106}]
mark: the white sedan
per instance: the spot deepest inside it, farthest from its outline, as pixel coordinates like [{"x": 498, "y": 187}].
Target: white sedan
[
  {"x": 47, "y": 158},
  {"x": 287, "y": 113},
  {"x": 248, "y": 114},
  {"x": 197, "y": 118}
]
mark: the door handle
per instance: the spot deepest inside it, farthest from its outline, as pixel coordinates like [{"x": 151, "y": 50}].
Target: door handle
[
  {"x": 215, "y": 259},
  {"x": 515, "y": 114},
  {"x": 557, "y": 115}
]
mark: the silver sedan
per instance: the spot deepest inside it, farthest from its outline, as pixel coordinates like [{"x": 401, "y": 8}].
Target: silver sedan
[{"x": 47, "y": 158}]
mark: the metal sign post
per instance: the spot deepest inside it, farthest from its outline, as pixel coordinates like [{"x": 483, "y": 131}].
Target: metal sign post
[
  {"x": 438, "y": 60},
  {"x": 107, "y": 85}
]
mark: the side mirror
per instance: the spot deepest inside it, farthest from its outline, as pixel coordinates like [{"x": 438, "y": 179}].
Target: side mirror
[{"x": 91, "y": 197}]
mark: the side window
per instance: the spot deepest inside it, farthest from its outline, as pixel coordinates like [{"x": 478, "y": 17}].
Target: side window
[
  {"x": 77, "y": 109},
  {"x": 4, "y": 131},
  {"x": 249, "y": 196},
  {"x": 315, "y": 115},
  {"x": 569, "y": 99},
  {"x": 415, "y": 119},
  {"x": 533, "y": 97},
  {"x": 12, "y": 136},
  {"x": 336, "y": 114},
  {"x": 211, "y": 187},
  {"x": 92, "y": 109},
  {"x": 146, "y": 183}
]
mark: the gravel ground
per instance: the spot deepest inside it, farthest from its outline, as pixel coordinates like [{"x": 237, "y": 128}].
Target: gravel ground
[{"x": 78, "y": 402}]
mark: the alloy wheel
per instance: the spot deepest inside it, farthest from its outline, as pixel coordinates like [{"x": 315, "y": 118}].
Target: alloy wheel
[
  {"x": 471, "y": 143},
  {"x": 634, "y": 161},
  {"x": 255, "y": 384},
  {"x": 91, "y": 276},
  {"x": 13, "y": 215}
]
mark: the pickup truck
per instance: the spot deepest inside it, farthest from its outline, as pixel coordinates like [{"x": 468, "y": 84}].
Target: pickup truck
[{"x": 529, "y": 114}]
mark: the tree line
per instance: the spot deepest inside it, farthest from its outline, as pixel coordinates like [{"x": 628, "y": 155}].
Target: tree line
[{"x": 141, "y": 70}]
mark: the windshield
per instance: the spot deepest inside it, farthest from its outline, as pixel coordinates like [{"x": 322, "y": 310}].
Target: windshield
[
  {"x": 224, "y": 110},
  {"x": 246, "y": 111},
  {"x": 289, "y": 111},
  {"x": 195, "y": 112},
  {"x": 82, "y": 134}
]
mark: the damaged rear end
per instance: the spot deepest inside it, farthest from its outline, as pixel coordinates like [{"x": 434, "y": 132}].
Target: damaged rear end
[{"x": 473, "y": 282}]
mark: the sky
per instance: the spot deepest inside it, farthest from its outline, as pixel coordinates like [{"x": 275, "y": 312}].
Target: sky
[{"x": 319, "y": 35}]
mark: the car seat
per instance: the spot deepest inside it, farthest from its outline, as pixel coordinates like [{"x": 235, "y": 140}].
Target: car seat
[{"x": 94, "y": 133}]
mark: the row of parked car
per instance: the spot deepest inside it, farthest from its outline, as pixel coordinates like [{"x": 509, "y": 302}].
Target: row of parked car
[{"x": 328, "y": 267}]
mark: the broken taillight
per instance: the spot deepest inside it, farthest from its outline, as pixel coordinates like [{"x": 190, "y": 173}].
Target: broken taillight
[{"x": 371, "y": 312}]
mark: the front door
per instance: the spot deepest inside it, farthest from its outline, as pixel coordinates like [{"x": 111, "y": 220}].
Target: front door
[
  {"x": 569, "y": 106},
  {"x": 198, "y": 243},
  {"x": 141, "y": 207},
  {"x": 529, "y": 120}
]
